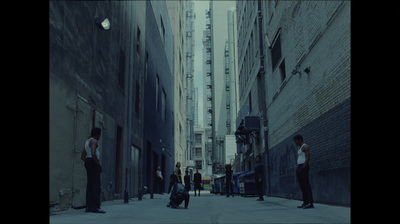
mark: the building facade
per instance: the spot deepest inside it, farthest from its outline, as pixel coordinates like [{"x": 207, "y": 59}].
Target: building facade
[
  {"x": 200, "y": 154},
  {"x": 218, "y": 26},
  {"x": 159, "y": 96},
  {"x": 294, "y": 69},
  {"x": 95, "y": 80},
  {"x": 119, "y": 79}
]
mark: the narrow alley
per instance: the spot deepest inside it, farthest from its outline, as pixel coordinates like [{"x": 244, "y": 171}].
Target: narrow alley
[{"x": 208, "y": 208}]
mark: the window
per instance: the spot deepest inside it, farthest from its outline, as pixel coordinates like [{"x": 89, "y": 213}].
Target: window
[
  {"x": 198, "y": 138},
  {"x": 157, "y": 84},
  {"x": 198, "y": 152},
  {"x": 138, "y": 41},
  {"x": 164, "y": 106},
  {"x": 276, "y": 52},
  {"x": 199, "y": 164},
  {"x": 163, "y": 31},
  {"x": 145, "y": 67},
  {"x": 250, "y": 104},
  {"x": 137, "y": 101},
  {"x": 282, "y": 70}
]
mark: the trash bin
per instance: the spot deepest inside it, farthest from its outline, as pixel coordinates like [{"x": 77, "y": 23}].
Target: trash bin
[
  {"x": 236, "y": 185},
  {"x": 217, "y": 183},
  {"x": 222, "y": 185},
  {"x": 247, "y": 184}
]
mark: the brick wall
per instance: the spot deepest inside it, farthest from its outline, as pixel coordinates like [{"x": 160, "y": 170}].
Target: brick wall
[
  {"x": 314, "y": 34},
  {"x": 301, "y": 98}
]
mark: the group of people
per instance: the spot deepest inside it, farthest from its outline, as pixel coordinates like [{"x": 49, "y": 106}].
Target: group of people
[{"x": 180, "y": 192}]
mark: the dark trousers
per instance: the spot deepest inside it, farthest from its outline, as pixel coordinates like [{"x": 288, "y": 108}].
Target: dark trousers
[
  {"x": 229, "y": 185},
  {"x": 159, "y": 185},
  {"x": 93, "y": 184},
  {"x": 197, "y": 186},
  {"x": 259, "y": 185},
  {"x": 302, "y": 176}
]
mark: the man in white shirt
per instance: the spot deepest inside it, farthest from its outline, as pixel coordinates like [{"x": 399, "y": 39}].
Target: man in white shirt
[
  {"x": 302, "y": 172},
  {"x": 159, "y": 179}
]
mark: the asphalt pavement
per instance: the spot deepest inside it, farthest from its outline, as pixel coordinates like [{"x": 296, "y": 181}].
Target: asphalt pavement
[{"x": 208, "y": 208}]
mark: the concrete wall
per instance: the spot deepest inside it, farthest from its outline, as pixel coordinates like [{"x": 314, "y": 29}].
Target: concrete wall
[
  {"x": 158, "y": 133},
  {"x": 90, "y": 72},
  {"x": 317, "y": 104}
]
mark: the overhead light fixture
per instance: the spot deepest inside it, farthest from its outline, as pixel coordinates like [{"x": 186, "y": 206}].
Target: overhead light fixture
[
  {"x": 103, "y": 23},
  {"x": 295, "y": 71}
]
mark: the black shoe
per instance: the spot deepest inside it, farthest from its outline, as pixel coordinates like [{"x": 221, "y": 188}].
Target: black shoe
[
  {"x": 260, "y": 199},
  {"x": 301, "y": 206},
  {"x": 309, "y": 205},
  {"x": 99, "y": 211}
]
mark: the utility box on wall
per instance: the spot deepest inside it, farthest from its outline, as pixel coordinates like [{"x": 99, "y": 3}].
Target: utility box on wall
[{"x": 252, "y": 123}]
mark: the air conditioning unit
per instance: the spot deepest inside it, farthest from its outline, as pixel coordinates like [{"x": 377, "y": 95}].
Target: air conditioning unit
[{"x": 252, "y": 123}]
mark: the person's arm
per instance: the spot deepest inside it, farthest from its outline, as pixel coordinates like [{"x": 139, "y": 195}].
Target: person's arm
[
  {"x": 306, "y": 151},
  {"x": 83, "y": 155},
  {"x": 93, "y": 146}
]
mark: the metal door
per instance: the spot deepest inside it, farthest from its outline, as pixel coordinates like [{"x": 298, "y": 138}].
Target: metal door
[
  {"x": 82, "y": 128},
  {"x": 134, "y": 171}
]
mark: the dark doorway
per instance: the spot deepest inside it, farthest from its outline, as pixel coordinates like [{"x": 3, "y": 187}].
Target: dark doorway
[
  {"x": 153, "y": 173},
  {"x": 118, "y": 162},
  {"x": 148, "y": 165},
  {"x": 163, "y": 173}
]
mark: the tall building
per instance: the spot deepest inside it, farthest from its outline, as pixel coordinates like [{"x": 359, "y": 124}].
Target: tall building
[
  {"x": 207, "y": 93},
  {"x": 196, "y": 106},
  {"x": 189, "y": 75},
  {"x": 294, "y": 78},
  {"x": 181, "y": 14},
  {"x": 176, "y": 12},
  {"x": 159, "y": 95},
  {"x": 218, "y": 35}
]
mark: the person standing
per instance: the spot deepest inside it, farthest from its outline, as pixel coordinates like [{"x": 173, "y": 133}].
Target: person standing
[
  {"x": 228, "y": 179},
  {"x": 302, "y": 172},
  {"x": 178, "y": 172},
  {"x": 258, "y": 176},
  {"x": 172, "y": 180},
  {"x": 186, "y": 179},
  {"x": 93, "y": 169},
  {"x": 197, "y": 182},
  {"x": 159, "y": 179}
]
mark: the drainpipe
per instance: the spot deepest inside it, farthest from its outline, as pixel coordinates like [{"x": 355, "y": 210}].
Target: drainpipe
[
  {"x": 263, "y": 91},
  {"x": 130, "y": 93}
]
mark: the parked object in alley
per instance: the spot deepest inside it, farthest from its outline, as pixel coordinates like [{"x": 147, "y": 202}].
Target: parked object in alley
[{"x": 247, "y": 184}]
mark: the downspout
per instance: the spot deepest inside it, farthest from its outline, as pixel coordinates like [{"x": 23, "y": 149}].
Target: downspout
[
  {"x": 130, "y": 92},
  {"x": 263, "y": 102}
]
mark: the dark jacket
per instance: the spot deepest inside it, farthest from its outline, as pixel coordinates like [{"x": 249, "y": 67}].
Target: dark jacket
[
  {"x": 197, "y": 178},
  {"x": 178, "y": 195},
  {"x": 259, "y": 170}
]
